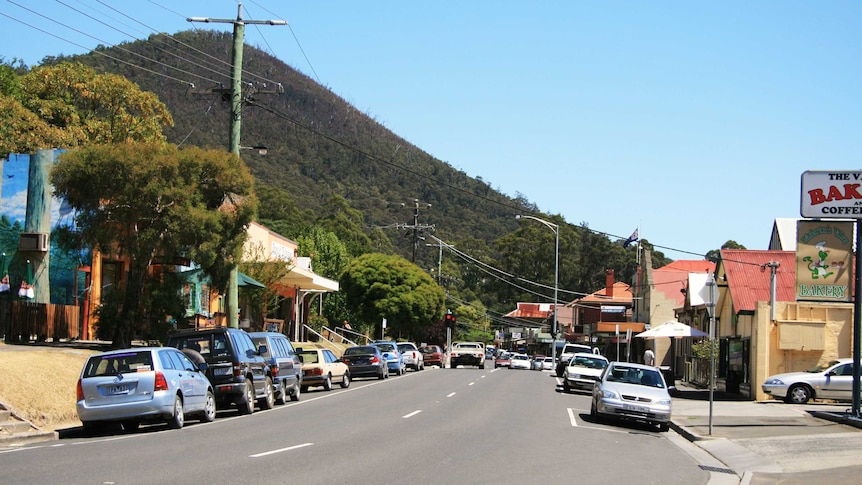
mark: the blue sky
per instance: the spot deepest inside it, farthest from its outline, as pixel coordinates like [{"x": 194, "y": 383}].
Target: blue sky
[{"x": 692, "y": 121}]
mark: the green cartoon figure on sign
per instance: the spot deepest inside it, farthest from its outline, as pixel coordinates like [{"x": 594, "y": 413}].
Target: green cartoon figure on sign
[{"x": 820, "y": 268}]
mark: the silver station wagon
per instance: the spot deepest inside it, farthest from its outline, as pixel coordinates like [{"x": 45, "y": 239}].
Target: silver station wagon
[{"x": 143, "y": 384}]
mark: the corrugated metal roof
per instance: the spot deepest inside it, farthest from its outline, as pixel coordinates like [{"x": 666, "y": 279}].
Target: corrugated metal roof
[
  {"x": 622, "y": 295},
  {"x": 748, "y": 278},
  {"x": 531, "y": 310}
]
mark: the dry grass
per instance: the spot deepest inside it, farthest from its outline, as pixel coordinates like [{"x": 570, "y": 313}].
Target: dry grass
[{"x": 38, "y": 384}]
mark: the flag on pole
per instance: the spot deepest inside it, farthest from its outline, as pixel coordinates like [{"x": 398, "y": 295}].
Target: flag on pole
[{"x": 631, "y": 239}]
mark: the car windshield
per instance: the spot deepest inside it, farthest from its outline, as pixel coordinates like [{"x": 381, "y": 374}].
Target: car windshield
[
  {"x": 822, "y": 367},
  {"x": 359, "y": 351},
  {"x": 113, "y": 364},
  {"x": 386, "y": 347},
  {"x": 427, "y": 350},
  {"x": 404, "y": 347},
  {"x": 522, "y": 357},
  {"x": 588, "y": 362},
  {"x": 634, "y": 375}
]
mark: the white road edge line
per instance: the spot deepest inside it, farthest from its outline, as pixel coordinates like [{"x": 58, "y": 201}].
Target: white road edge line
[
  {"x": 572, "y": 417},
  {"x": 266, "y": 453},
  {"x": 414, "y": 413}
]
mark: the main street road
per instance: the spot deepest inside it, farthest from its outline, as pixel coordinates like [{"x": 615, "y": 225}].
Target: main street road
[{"x": 461, "y": 425}]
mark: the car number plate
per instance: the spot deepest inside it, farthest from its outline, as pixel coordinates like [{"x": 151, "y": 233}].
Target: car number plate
[
  {"x": 221, "y": 371},
  {"x": 121, "y": 389},
  {"x": 632, "y": 407}
]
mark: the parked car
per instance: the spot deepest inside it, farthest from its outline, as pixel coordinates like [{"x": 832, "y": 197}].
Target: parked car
[
  {"x": 284, "y": 365},
  {"x": 548, "y": 363},
  {"x": 238, "y": 372},
  {"x": 411, "y": 355},
  {"x": 504, "y": 359},
  {"x": 520, "y": 361},
  {"x": 320, "y": 367},
  {"x": 566, "y": 355},
  {"x": 432, "y": 355},
  {"x": 536, "y": 363},
  {"x": 831, "y": 381},
  {"x": 143, "y": 384},
  {"x": 632, "y": 391},
  {"x": 583, "y": 371},
  {"x": 364, "y": 361},
  {"x": 393, "y": 357}
]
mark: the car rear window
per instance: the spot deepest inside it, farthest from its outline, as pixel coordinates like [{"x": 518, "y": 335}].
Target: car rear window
[
  {"x": 209, "y": 344},
  {"x": 113, "y": 364},
  {"x": 359, "y": 350},
  {"x": 309, "y": 357}
]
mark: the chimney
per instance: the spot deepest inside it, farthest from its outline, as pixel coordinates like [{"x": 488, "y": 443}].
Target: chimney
[{"x": 609, "y": 283}]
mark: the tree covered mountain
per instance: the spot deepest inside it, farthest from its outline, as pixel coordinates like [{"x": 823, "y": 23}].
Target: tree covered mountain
[{"x": 329, "y": 164}]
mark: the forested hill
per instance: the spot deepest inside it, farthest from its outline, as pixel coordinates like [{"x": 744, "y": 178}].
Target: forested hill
[{"x": 318, "y": 144}]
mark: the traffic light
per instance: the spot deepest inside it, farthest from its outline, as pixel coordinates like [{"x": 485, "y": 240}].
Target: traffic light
[{"x": 450, "y": 321}]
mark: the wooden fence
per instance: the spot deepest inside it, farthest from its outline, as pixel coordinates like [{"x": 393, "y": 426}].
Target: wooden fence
[{"x": 25, "y": 321}]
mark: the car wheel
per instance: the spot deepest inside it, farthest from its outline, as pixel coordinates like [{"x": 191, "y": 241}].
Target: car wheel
[
  {"x": 799, "y": 394},
  {"x": 304, "y": 388},
  {"x": 178, "y": 418},
  {"x": 663, "y": 427},
  {"x": 246, "y": 404},
  {"x": 296, "y": 392},
  {"x": 268, "y": 400},
  {"x": 327, "y": 383},
  {"x": 403, "y": 371},
  {"x": 345, "y": 381},
  {"x": 386, "y": 373},
  {"x": 284, "y": 396},
  {"x": 594, "y": 412},
  {"x": 130, "y": 425},
  {"x": 209, "y": 413},
  {"x": 566, "y": 386},
  {"x": 383, "y": 375}
]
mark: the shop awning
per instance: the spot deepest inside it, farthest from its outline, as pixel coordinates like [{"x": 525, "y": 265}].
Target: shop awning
[
  {"x": 611, "y": 327},
  {"x": 246, "y": 281},
  {"x": 307, "y": 280}
]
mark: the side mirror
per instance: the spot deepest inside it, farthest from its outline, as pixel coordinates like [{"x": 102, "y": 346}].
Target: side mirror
[
  {"x": 298, "y": 350},
  {"x": 261, "y": 350},
  {"x": 202, "y": 367}
]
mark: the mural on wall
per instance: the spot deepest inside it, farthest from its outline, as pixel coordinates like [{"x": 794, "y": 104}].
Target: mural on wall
[
  {"x": 824, "y": 253},
  {"x": 13, "y": 210}
]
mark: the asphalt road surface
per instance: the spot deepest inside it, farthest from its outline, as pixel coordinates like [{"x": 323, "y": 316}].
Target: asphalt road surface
[{"x": 462, "y": 425}]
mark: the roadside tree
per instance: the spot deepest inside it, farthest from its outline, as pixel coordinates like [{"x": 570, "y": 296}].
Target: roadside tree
[
  {"x": 382, "y": 286},
  {"x": 151, "y": 203}
]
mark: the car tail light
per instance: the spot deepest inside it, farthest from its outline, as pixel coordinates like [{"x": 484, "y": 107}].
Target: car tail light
[
  {"x": 317, "y": 371},
  {"x": 274, "y": 370},
  {"x": 79, "y": 391},
  {"x": 375, "y": 360},
  {"x": 161, "y": 383},
  {"x": 237, "y": 370}
]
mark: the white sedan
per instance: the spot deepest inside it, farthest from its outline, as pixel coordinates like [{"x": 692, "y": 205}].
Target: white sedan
[
  {"x": 548, "y": 363},
  {"x": 583, "y": 371},
  {"x": 520, "y": 361}
]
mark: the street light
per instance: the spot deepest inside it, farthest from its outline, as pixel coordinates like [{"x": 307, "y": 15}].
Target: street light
[{"x": 556, "y": 229}]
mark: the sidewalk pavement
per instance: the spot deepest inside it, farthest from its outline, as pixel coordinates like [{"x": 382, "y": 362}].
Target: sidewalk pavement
[{"x": 770, "y": 442}]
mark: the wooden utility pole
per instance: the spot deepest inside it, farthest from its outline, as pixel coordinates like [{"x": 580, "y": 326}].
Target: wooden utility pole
[{"x": 239, "y": 24}]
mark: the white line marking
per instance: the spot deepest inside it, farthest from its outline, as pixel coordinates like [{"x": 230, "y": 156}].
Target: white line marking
[
  {"x": 572, "y": 417},
  {"x": 414, "y": 413},
  {"x": 450, "y": 394},
  {"x": 470, "y": 384},
  {"x": 266, "y": 453}
]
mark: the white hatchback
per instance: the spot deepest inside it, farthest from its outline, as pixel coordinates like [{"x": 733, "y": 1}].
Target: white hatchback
[{"x": 520, "y": 361}]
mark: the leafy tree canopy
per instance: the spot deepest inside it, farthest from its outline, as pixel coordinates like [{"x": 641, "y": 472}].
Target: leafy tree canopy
[
  {"x": 382, "y": 286},
  {"x": 151, "y": 202},
  {"x": 69, "y": 104}
]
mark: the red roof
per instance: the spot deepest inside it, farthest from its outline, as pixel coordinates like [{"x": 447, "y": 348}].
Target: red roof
[
  {"x": 531, "y": 310},
  {"x": 750, "y": 281},
  {"x": 622, "y": 295},
  {"x": 690, "y": 266}
]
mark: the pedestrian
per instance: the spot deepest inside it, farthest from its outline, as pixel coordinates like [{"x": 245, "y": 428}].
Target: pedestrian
[{"x": 649, "y": 357}]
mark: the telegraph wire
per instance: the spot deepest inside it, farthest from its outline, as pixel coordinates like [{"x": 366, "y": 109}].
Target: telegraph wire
[
  {"x": 295, "y": 38},
  {"x": 166, "y": 76},
  {"x": 107, "y": 43}
]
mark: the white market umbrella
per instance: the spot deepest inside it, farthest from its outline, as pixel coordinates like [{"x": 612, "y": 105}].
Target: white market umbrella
[{"x": 672, "y": 329}]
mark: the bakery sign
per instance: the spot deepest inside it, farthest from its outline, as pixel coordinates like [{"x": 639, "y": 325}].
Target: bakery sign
[{"x": 832, "y": 194}]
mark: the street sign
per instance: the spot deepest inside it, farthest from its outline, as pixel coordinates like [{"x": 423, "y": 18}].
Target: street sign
[{"x": 831, "y": 194}]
